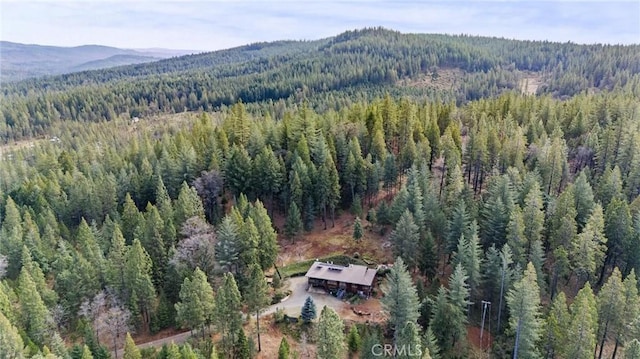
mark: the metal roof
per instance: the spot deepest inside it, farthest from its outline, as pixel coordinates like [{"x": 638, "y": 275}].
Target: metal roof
[{"x": 353, "y": 273}]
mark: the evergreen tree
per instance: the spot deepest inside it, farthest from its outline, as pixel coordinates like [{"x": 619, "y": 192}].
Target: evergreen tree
[
  {"x": 267, "y": 236},
  {"x": 458, "y": 296},
  {"x": 256, "y": 295},
  {"x": 227, "y": 249},
  {"x": 330, "y": 335},
  {"x": 409, "y": 345},
  {"x": 457, "y": 226},
  {"x": 353, "y": 340},
  {"x": 116, "y": 263},
  {"x": 308, "y": 312},
  {"x": 131, "y": 351},
  {"x": 196, "y": 305},
  {"x": 589, "y": 247},
  {"x": 187, "y": 205},
  {"x": 581, "y": 338},
  {"x": 357, "y": 229},
  {"x": 533, "y": 217},
  {"x": 140, "y": 288},
  {"x": 34, "y": 316},
  {"x": 48, "y": 296},
  {"x": 516, "y": 239},
  {"x": 632, "y": 350},
  {"x": 444, "y": 329},
  {"x": 283, "y": 349},
  {"x": 241, "y": 347},
  {"x": 227, "y": 316},
  {"x": 86, "y": 353},
  {"x": 584, "y": 199},
  {"x": 557, "y": 326},
  {"x": 431, "y": 344},
  {"x": 131, "y": 218},
  {"x": 523, "y": 301},
  {"x": 400, "y": 300},
  {"x": 11, "y": 344},
  {"x": 468, "y": 255},
  {"x": 406, "y": 239},
  {"x": 293, "y": 223}
]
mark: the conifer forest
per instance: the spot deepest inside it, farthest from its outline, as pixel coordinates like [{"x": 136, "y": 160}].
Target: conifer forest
[{"x": 494, "y": 184}]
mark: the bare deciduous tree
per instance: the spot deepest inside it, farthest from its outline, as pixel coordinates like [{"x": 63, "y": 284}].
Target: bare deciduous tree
[
  {"x": 116, "y": 323},
  {"x": 197, "y": 249},
  {"x": 3, "y": 265}
]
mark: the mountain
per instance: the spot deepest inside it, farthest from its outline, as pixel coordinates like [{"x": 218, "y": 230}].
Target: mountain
[
  {"x": 326, "y": 74},
  {"x": 21, "y": 61}
]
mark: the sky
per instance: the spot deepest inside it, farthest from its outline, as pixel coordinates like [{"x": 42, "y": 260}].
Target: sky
[{"x": 218, "y": 24}]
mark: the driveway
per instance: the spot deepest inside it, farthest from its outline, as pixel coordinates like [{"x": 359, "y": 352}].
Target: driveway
[{"x": 293, "y": 304}]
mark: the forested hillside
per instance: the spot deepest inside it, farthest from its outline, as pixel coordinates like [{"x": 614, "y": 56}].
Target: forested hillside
[{"x": 530, "y": 202}]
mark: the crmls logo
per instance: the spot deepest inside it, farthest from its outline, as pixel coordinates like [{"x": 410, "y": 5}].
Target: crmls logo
[{"x": 389, "y": 350}]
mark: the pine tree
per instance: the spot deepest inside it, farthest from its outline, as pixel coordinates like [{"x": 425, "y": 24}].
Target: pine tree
[
  {"x": 457, "y": 226},
  {"x": 523, "y": 301},
  {"x": 267, "y": 236},
  {"x": 131, "y": 351},
  {"x": 227, "y": 316},
  {"x": 283, "y": 349},
  {"x": 34, "y": 316},
  {"x": 140, "y": 288},
  {"x": 131, "y": 218},
  {"x": 431, "y": 344},
  {"x": 227, "y": 249},
  {"x": 406, "y": 239},
  {"x": 557, "y": 326},
  {"x": 581, "y": 336},
  {"x": 532, "y": 216},
  {"x": 584, "y": 199},
  {"x": 516, "y": 239},
  {"x": 444, "y": 329},
  {"x": 357, "y": 229},
  {"x": 330, "y": 335},
  {"x": 632, "y": 350},
  {"x": 409, "y": 345},
  {"x": 256, "y": 295},
  {"x": 196, "y": 305},
  {"x": 11, "y": 344},
  {"x": 353, "y": 340},
  {"x": 308, "y": 312},
  {"x": 241, "y": 347},
  {"x": 400, "y": 300},
  {"x": 589, "y": 247},
  {"x": 458, "y": 296},
  {"x": 116, "y": 263},
  {"x": 468, "y": 255},
  {"x": 293, "y": 224},
  {"x": 187, "y": 205},
  {"x": 610, "y": 302},
  {"x": 86, "y": 353},
  {"x": 48, "y": 296}
]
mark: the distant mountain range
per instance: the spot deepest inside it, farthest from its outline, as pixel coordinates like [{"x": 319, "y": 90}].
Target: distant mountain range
[{"x": 21, "y": 61}]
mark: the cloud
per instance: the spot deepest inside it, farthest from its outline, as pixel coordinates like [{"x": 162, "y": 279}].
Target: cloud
[{"x": 210, "y": 25}]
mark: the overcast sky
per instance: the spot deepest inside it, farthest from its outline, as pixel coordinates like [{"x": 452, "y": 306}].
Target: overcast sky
[{"x": 211, "y": 25}]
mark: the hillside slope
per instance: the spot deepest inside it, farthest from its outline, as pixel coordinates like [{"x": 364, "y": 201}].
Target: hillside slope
[
  {"x": 356, "y": 64},
  {"x": 21, "y": 61}
]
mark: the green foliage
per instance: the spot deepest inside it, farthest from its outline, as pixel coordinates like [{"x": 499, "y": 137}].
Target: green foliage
[
  {"x": 131, "y": 351},
  {"x": 330, "y": 335},
  {"x": 354, "y": 341},
  {"x": 308, "y": 312},
  {"x": 283, "y": 349},
  {"x": 11, "y": 344},
  {"x": 357, "y": 229},
  {"x": 523, "y": 301},
  {"x": 196, "y": 305},
  {"x": 400, "y": 300}
]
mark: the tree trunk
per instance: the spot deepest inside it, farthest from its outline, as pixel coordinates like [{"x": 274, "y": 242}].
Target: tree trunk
[
  {"x": 258, "y": 328},
  {"x": 604, "y": 338},
  {"x": 615, "y": 349}
]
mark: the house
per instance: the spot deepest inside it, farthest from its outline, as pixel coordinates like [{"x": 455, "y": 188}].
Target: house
[{"x": 352, "y": 278}]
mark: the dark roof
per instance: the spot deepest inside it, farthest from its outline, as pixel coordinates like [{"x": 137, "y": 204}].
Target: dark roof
[{"x": 353, "y": 273}]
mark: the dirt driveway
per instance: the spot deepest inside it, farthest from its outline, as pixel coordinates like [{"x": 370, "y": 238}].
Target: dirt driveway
[{"x": 293, "y": 304}]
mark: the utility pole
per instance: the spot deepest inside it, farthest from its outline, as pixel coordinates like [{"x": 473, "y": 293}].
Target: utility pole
[{"x": 485, "y": 305}]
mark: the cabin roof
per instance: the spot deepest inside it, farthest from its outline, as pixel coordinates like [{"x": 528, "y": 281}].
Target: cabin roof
[{"x": 353, "y": 273}]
